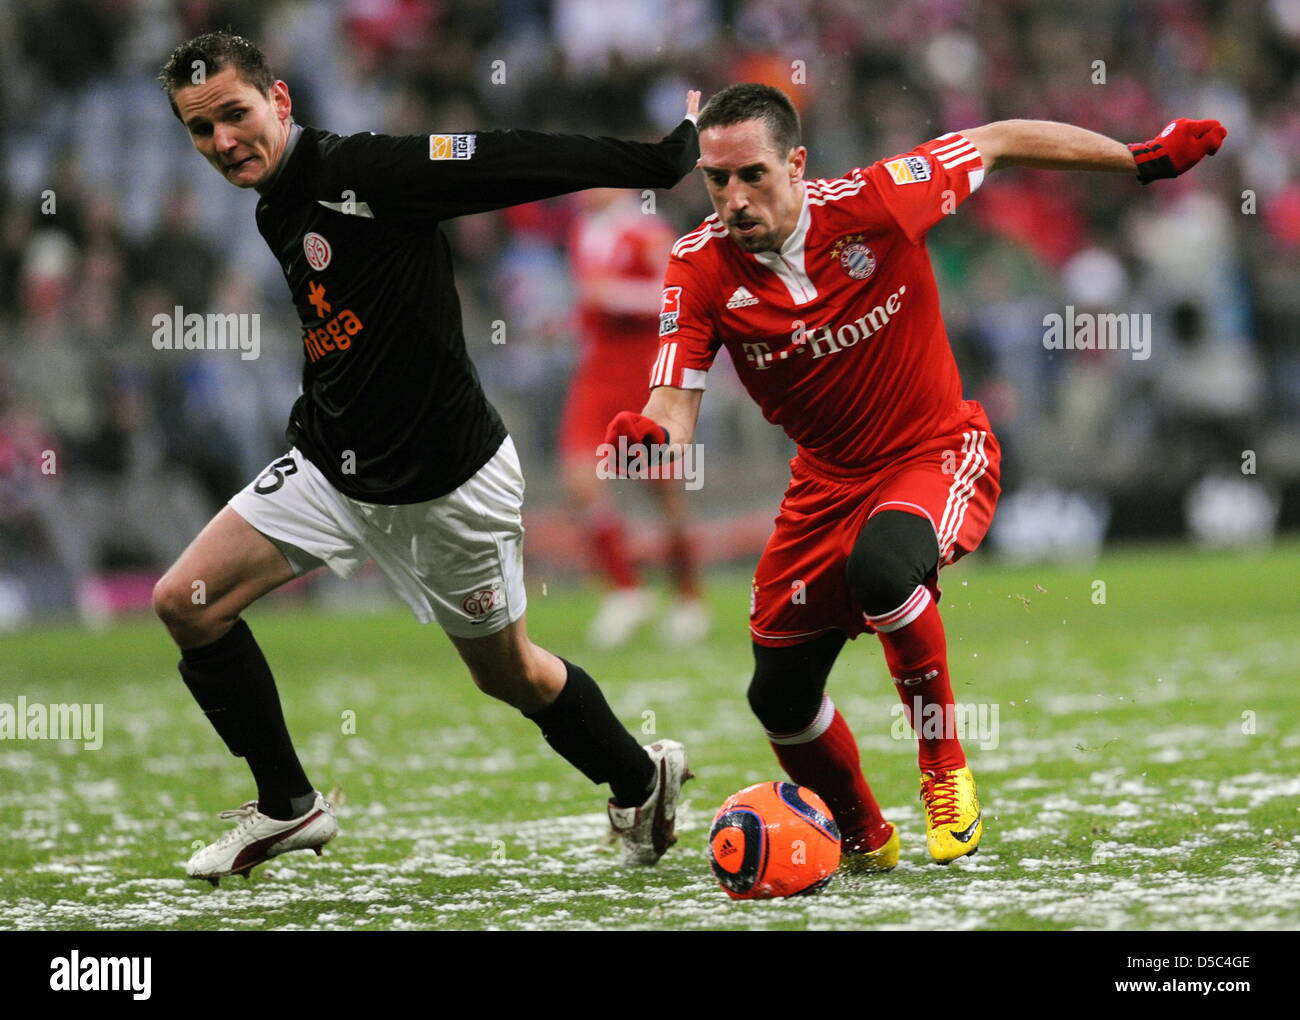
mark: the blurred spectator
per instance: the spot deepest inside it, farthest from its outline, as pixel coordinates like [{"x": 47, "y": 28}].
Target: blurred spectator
[
  {"x": 177, "y": 257},
  {"x": 107, "y": 217}
]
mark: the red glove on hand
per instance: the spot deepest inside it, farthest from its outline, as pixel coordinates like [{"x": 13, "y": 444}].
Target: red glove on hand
[
  {"x": 629, "y": 429},
  {"x": 1179, "y": 147}
]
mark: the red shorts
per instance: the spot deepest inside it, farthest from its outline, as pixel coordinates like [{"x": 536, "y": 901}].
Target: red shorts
[
  {"x": 607, "y": 381},
  {"x": 800, "y": 587}
]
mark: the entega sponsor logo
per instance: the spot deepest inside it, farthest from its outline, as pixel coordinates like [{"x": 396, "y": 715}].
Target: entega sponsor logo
[
  {"x": 829, "y": 339},
  {"x": 336, "y": 333}
]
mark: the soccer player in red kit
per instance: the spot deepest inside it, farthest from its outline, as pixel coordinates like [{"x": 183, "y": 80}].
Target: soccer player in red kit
[
  {"x": 823, "y": 294},
  {"x": 617, "y": 252}
]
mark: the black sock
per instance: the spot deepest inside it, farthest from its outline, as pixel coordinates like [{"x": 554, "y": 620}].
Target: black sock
[
  {"x": 583, "y": 730},
  {"x": 232, "y": 683},
  {"x": 299, "y": 806}
]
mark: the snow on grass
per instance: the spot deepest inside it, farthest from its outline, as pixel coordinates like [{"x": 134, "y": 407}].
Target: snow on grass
[{"x": 1125, "y": 790}]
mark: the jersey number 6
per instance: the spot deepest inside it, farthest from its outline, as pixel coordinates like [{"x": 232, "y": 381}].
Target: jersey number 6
[{"x": 275, "y": 476}]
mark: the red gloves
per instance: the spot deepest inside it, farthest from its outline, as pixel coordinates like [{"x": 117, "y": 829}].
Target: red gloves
[
  {"x": 629, "y": 429},
  {"x": 637, "y": 428},
  {"x": 1179, "y": 147}
]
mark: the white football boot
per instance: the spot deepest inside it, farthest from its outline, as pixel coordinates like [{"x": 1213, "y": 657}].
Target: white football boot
[
  {"x": 257, "y": 838},
  {"x": 686, "y": 623},
  {"x": 620, "y": 616},
  {"x": 647, "y": 831}
]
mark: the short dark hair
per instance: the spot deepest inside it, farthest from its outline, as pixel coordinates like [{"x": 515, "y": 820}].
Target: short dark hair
[
  {"x": 749, "y": 101},
  {"x": 215, "y": 51}
]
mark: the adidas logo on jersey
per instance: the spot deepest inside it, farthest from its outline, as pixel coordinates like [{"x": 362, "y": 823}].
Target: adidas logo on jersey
[{"x": 741, "y": 299}]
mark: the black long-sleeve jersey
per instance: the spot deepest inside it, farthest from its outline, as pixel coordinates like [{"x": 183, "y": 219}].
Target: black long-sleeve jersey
[{"x": 391, "y": 408}]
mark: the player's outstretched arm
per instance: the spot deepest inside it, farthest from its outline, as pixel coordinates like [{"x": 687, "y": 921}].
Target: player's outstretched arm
[
  {"x": 439, "y": 176},
  {"x": 1048, "y": 145}
]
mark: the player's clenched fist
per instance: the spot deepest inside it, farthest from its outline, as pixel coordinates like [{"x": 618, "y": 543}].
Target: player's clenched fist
[
  {"x": 635, "y": 428},
  {"x": 633, "y": 438},
  {"x": 1179, "y": 147}
]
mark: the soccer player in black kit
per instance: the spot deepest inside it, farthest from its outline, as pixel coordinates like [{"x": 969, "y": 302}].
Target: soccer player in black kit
[{"x": 395, "y": 453}]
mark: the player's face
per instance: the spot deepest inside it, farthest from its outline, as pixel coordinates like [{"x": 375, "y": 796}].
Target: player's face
[
  {"x": 237, "y": 129},
  {"x": 756, "y": 191}
]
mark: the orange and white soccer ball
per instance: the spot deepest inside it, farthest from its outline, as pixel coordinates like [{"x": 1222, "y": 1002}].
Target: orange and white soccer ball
[{"x": 773, "y": 839}]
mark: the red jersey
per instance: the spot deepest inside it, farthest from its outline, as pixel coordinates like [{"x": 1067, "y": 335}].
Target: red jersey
[
  {"x": 838, "y": 335},
  {"x": 617, "y": 255}
]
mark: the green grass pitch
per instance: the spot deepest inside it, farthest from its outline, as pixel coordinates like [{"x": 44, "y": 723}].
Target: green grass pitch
[{"x": 1146, "y": 772}]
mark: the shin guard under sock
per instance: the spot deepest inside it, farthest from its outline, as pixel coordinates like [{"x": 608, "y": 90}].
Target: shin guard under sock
[
  {"x": 823, "y": 756},
  {"x": 917, "y": 653},
  {"x": 583, "y": 730},
  {"x": 232, "y": 683}
]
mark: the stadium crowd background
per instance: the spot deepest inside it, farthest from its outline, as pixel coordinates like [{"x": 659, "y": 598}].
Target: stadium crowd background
[{"x": 108, "y": 217}]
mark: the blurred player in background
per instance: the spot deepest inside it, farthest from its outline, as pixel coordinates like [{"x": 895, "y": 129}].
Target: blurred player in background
[
  {"x": 822, "y": 292},
  {"x": 395, "y": 453},
  {"x": 618, "y": 251}
]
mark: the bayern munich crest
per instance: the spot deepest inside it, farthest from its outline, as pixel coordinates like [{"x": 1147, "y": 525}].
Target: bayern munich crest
[
  {"x": 855, "y": 258},
  {"x": 317, "y": 250}
]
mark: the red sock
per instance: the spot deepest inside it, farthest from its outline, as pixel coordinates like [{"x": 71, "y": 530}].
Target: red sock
[
  {"x": 610, "y": 549},
  {"x": 917, "y": 653},
  {"x": 823, "y": 756},
  {"x": 681, "y": 564}
]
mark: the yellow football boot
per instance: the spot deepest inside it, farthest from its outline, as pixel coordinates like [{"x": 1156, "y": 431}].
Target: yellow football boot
[
  {"x": 883, "y": 858},
  {"x": 952, "y": 814}
]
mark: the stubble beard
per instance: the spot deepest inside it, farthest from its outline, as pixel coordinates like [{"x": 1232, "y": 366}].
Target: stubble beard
[{"x": 755, "y": 243}]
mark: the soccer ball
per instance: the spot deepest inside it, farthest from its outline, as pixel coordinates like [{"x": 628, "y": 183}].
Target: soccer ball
[{"x": 773, "y": 839}]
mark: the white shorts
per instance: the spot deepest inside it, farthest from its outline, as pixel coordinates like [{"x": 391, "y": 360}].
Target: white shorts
[{"x": 457, "y": 559}]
